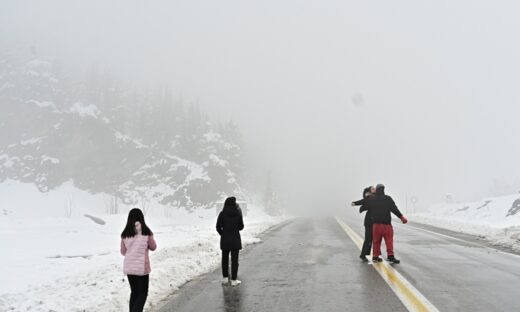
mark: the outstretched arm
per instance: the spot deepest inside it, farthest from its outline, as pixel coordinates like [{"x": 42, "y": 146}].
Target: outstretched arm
[{"x": 359, "y": 202}]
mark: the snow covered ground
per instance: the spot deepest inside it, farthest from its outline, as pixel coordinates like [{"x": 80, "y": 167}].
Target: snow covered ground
[
  {"x": 496, "y": 219},
  {"x": 56, "y": 259}
]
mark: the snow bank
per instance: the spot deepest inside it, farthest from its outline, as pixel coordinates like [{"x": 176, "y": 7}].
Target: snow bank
[
  {"x": 56, "y": 259},
  {"x": 496, "y": 219}
]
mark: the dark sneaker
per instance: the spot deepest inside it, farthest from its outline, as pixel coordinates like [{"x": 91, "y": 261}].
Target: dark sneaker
[
  {"x": 393, "y": 259},
  {"x": 363, "y": 258},
  {"x": 377, "y": 259}
]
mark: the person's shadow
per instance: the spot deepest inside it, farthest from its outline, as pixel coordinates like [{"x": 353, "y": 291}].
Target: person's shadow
[{"x": 232, "y": 298}]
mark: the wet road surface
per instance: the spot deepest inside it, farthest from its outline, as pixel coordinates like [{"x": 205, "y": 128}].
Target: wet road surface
[
  {"x": 306, "y": 265},
  {"x": 456, "y": 272},
  {"x": 312, "y": 265}
]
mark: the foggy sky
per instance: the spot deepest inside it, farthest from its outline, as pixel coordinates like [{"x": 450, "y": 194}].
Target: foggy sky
[{"x": 331, "y": 95}]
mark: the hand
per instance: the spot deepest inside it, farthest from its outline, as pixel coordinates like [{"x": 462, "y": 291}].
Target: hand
[
  {"x": 352, "y": 204},
  {"x": 404, "y": 220}
]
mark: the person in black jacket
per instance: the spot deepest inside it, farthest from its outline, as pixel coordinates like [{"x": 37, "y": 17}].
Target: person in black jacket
[
  {"x": 367, "y": 244},
  {"x": 229, "y": 225},
  {"x": 380, "y": 206}
]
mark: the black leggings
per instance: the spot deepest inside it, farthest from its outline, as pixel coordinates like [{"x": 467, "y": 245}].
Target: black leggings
[
  {"x": 234, "y": 263},
  {"x": 139, "y": 292},
  {"x": 367, "y": 244}
]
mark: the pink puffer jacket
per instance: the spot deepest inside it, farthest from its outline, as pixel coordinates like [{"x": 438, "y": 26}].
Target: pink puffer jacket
[{"x": 135, "y": 249}]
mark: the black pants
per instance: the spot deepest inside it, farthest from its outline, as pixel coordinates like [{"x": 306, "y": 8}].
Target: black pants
[
  {"x": 234, "y": 263},
  {"x": 139, "y": 292},
  {"x": 367, "y": 244}
]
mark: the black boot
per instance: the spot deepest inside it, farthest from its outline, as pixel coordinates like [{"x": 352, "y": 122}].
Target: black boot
[
  {"x": 363, "y": 258},
  {"x": 377, "y": 259},
  {"x": 393, "y": 259}
]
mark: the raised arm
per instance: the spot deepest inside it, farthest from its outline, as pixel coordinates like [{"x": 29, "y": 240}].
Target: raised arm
[{"x": 358, "y": 202}]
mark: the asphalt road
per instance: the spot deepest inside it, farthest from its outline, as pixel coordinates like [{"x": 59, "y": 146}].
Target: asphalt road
[
  {"x": 312, "y": 265},
  {"x": 456, "y": 272},
  {"x": 306, "y": 265}
]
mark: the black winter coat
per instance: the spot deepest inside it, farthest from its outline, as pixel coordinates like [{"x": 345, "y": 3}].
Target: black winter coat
[
  {"x": 229, "y": 225},
  {"x": 368, "y": 217},
  {"x": 380, "y": 206},
  {"x": 361, "y": 202}
]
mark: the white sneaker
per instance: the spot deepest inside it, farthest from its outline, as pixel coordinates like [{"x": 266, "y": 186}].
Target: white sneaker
[
  {"x": 225, "y": 281},
  {"x": 235, "y": 282}
]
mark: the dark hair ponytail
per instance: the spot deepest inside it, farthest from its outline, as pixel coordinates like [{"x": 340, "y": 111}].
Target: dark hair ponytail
[
  {"x": 365, "y": 191},
  {"x": 135, "y": 215}
]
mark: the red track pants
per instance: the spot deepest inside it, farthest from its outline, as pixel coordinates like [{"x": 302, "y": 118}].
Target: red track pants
[{"x": 380, "y": 231}]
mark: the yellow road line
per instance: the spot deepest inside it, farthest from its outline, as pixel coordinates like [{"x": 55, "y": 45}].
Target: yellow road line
[{"x": 412, "y": 299}]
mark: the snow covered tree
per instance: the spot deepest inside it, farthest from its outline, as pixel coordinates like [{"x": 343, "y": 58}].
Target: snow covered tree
[{"x": 132, "y": 143}]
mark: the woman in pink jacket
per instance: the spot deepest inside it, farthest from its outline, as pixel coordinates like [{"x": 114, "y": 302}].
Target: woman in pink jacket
[{"x": 136, "y": 240}]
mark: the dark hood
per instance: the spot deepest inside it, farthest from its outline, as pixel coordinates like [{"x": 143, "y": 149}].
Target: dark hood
[{"x": 232, "y": 211}]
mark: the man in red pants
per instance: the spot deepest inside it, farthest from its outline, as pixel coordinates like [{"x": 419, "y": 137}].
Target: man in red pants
[{"x": 380, "y": 206}]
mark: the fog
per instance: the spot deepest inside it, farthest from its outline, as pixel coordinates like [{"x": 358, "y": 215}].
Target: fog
[{"x": 331, "y": 96}]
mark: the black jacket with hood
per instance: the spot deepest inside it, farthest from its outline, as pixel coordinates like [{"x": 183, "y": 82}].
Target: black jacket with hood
[
  {"x": 361, "y": 202},
  {"x": 380, "y": 206},
  {"x": 229, "y": 225}
]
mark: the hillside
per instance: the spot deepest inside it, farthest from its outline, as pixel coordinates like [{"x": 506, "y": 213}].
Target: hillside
[{"x": 140, "y": 146}]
